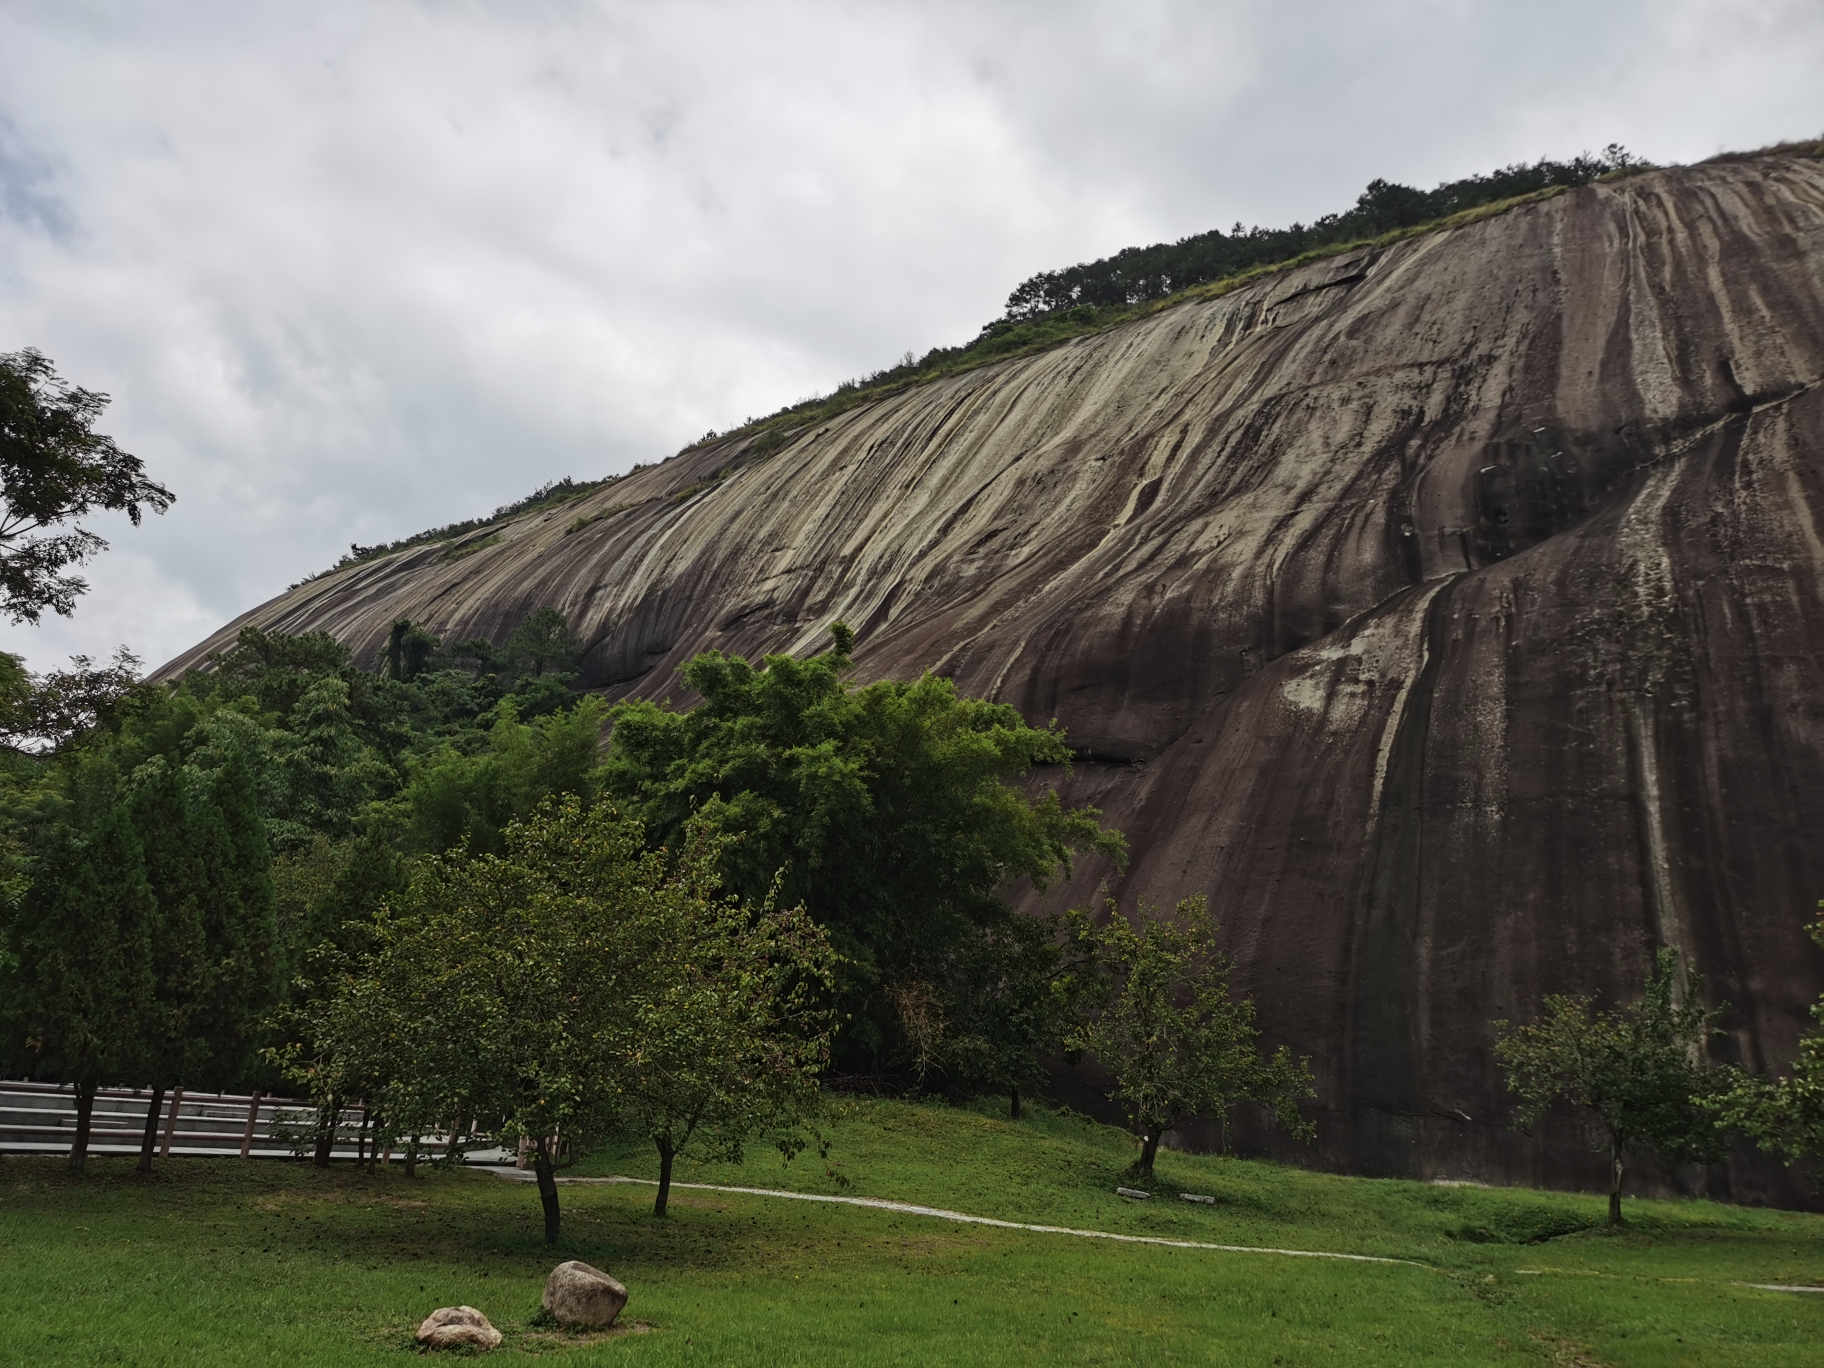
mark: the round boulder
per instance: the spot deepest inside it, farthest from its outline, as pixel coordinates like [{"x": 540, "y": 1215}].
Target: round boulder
[
  {"x": 576, "y": 1294},
  {"x": 451, "y": 1327}
]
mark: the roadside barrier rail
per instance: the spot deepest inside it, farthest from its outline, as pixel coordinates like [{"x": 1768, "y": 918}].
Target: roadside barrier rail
[{"x": 40, "y": 1118}]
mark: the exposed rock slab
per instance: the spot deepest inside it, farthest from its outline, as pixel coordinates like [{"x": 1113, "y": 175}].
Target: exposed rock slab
[{"x": 1451, "y": 613}]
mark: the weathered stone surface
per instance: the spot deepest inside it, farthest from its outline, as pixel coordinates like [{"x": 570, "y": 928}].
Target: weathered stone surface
[
  {"x": 1451, "y": 613},
  {"x": 453, "y": 1327},
  {"x": 576, "y": 1294}
]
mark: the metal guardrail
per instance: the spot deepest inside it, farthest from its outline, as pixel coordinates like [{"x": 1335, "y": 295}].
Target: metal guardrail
[{"x": 40, "y": 1118}]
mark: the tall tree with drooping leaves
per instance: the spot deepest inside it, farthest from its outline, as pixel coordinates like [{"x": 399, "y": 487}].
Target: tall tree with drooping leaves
[
  {"x": 1639, "y": 1070},
  {"x": 892, "y": 812},
  {"x": 1160, "y": 1017}
]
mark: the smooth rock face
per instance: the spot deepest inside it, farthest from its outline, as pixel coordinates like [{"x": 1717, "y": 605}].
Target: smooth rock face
[
  {"x": 576, "y": 1294},
  {"x": 1451, "y": 613},
  {"x": 452, "y": 1327}
]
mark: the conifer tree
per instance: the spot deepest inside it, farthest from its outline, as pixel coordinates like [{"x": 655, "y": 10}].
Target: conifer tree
[
  {"x": 235, "y": 905},
  {"x": 79, "y": 987}
]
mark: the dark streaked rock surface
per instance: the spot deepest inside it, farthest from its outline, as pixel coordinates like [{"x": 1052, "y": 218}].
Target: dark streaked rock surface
[{"x": 1450, "y": 612}]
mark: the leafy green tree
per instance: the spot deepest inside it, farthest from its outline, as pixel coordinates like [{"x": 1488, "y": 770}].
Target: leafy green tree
[
  {"x": 78, "y": 997},
  {"x": 54, "y": 467},
  {"x": 543, "y": 643},
  {"x": 1783, "y": 1115},
  {"x": 888, "y": 811},
  {"x": 1640, "y": 1070},
  {"x": 213, "y": 948},
  {"x": 1009, "y": 1005},
  {"x": 530, "y": 993},
  {"x": 239, "y": 929},
  {"x": 43, "y": 714},
  {"x": 1161, "y": 1019},
  {"x": 726, "y": 1030},
  {"x": 455, "y": 797},
  {"x": 409, "y": 650},
  {"x": 330, "y": 774}
]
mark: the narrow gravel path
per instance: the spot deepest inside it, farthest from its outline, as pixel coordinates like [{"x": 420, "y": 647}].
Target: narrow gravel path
[{"x": 938, "y": 1213}]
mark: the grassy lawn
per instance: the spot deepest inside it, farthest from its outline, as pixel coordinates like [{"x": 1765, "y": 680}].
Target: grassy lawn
[{"x": 220, "y": 1262}]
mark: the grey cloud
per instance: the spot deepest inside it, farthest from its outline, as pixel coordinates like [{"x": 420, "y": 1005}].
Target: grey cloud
[{"x": 26, "y": 196}]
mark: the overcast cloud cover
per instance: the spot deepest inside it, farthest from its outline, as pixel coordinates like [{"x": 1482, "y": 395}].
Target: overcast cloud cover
[{"x": 355, "y": 269}]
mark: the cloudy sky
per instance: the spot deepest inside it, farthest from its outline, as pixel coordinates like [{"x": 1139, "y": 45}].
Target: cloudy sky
[{"x": 355, "y": 269}]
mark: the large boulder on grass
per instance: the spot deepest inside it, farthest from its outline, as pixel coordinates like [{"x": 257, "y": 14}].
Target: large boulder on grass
[
  {"x": 453, "y": 1327},
  {"x": 576, "y": 1294}
]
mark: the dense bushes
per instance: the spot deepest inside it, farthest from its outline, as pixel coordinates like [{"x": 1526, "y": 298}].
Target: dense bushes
[{"x": 1139, "y": 274}]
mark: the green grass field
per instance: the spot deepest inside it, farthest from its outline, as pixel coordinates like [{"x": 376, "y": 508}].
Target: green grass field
[{"x": 222, "y": 1262}]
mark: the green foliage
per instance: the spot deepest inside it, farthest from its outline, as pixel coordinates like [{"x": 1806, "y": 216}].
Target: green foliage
[
  {"x": 456, "y": 798},
  {"x": 1783, "y": 1115},
  {"x": 725, "y": 1031},
  {"x": 1009, "y": 1004},
  {"x": 77, "y": 985},
  {"x": 1640, "y": 1070},
  {"x": 1139, "y": 274},
  {"x": 41, "y": 714},
  {"x": 1161, "y": 1019},
  {"x": 214, "y": 951},
  {"x": 886, "y": 811},
  {"x": 273, "y": 802},
  {"x": 54, "y": 467},
  {"x": 548, "y": 495},
  {"x": 578, "y": 978}
]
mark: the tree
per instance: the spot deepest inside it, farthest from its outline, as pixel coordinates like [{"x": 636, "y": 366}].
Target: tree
[
  {"x": 890, "y": 812},
  {"x": 1162, "y": 1020},
  {"x": 409, "y": 651},
  {"x": 1010, "y": 1006},
  {"x": 539, "y": 993},
  {"x": 1783, "y": 1115},
  {"x": 77, "y": 979},
  {"x": 43, "y": 714},
  {"x": 1641, "y": 1070},
  {"x": 726, "y": 1034},
  {"x": 54, "y": 467},
  {"x": 213, "y": 945},
  {"x": 456, "y": 797}
]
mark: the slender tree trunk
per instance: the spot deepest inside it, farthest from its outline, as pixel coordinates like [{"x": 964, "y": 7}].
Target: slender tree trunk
[
  {"x": 452, "y": 1150},
  {"x": 1013, "y": 1102},
  {"x": 666, "y": 1154},
  {"x": 85, "y": 1113},
  {"x": 1615, "y": 1181},
  {"x": 326, "y": 1132},
  {"x": 1149, "y": 1147},
  {"x": 361, "y": 1140},
  {"x": 411, "y": 1158},
  {"x": 547, "y": 1188},
  {"x": 150, "y": 1139}
]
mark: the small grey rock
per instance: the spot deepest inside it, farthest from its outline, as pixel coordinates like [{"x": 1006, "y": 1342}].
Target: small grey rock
[
  {"x": 1197, "y": 1197},
  {"x": 450, "y": 1327},
  {"x": 1135, "y": 1193},
  {"x": 576, "y": 1294}
]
